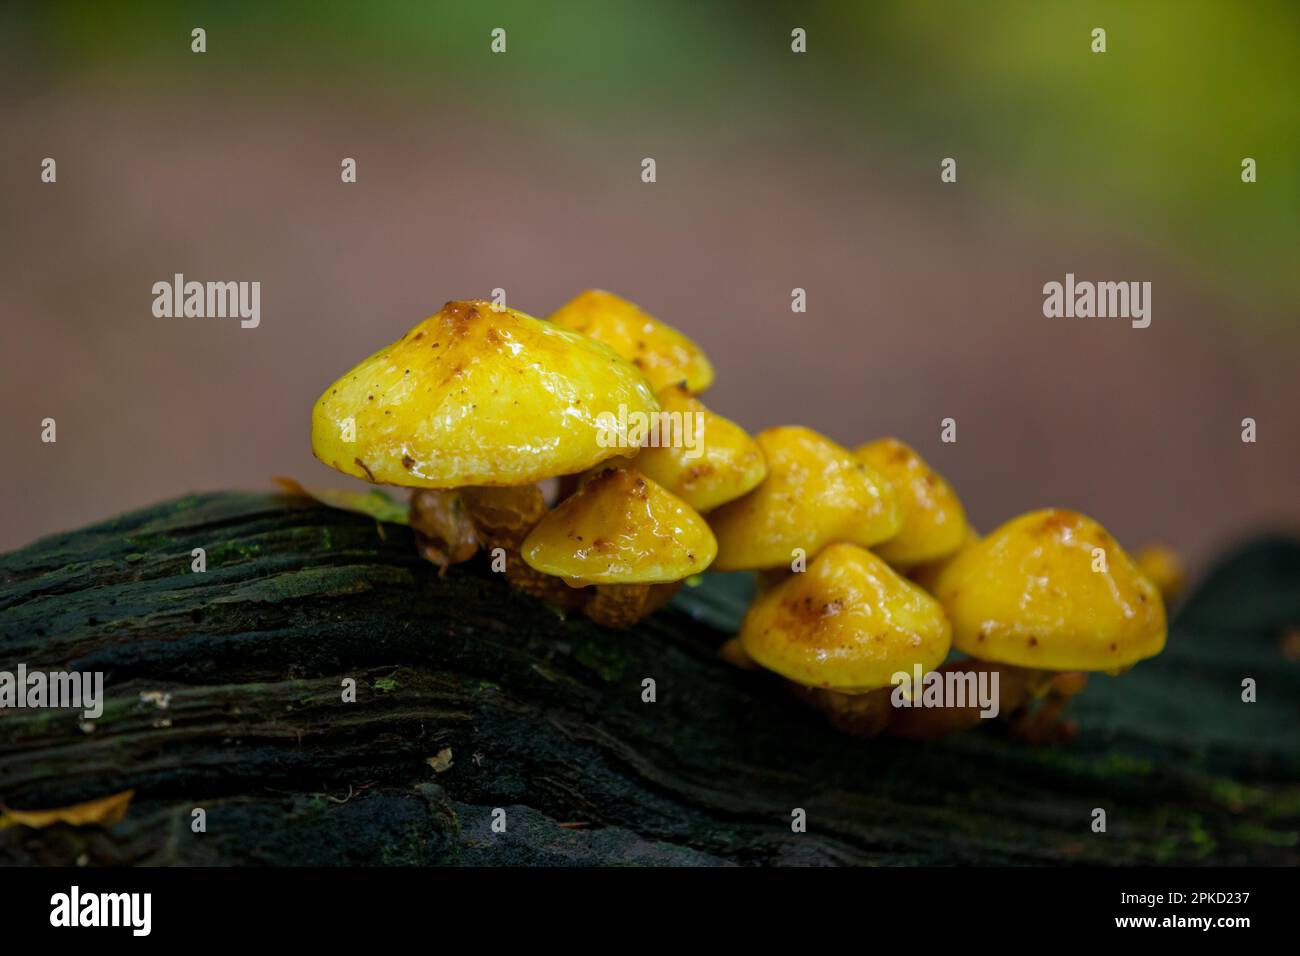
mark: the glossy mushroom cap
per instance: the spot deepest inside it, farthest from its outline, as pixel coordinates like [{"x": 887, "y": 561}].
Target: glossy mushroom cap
[
  {"x": 934, "y": 523},
  {"x": 1028, "y": 595},
  {"x": 664, "y": 355},
  {"x": 815, "y": 493},
  {"x": 724, "y": 463},
  {"x": 475, "y": 396},
  {"x": 849, "y": 624},
  {"x": 620, "y": 527}
]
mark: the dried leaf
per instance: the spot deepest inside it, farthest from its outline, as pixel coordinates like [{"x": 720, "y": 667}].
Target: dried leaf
[
  {"x": 374, "y": 502},
  {"x": 105, "y": 810}
]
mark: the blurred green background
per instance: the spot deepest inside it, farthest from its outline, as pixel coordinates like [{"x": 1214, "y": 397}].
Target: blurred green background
[
  {"x": 775, "y": 170},
  {"x": 1152, "y": 131}
]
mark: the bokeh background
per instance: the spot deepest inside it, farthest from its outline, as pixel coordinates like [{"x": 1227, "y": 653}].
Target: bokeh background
[{"x": 775, "y": 170}]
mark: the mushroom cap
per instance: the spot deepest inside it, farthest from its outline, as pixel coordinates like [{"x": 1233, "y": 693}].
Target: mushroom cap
[
  {"x": 620, "y": 527},
  {"x": 927, "y": 574},
  {"x": 1027, "y": 594},
  {"x": 934, "y": 523},
  {"x": 477, "y": 396},
  {"x": 663, "y": 354},
  {"x": 815, "y": 493},
  {"x": 725, "y": 464},
  {"x": 1164, "y": 567},
  {"x": 848, "y": 623}
]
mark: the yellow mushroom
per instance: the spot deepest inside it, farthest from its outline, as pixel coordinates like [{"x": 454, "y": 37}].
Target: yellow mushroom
[
  {"x": 1052, "y": 590},
  {"x": 816, "y": 493},
  {"x": 927, "y": 573},
  {"x": 1045, "y": 598},
  {"x": 1164, "y": 567},
  {"x": 477, "y": 396},
  {"x": 842, "y": 630},
  {"x": 934, "y": 523},
  {"x": 626, "y": 535},
  {"x": 664, "y": 355},
  {"x": 471, "y": 407},
  {"x": 724, "y": 463}
]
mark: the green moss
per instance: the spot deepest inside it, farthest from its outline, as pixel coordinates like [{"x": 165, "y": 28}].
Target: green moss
[
  {"x": 385, "y": 684},
  {"x": 602, "y": 656},
  {"x": 1257, "y": 835},
  {"x": 223, "y": 553}
]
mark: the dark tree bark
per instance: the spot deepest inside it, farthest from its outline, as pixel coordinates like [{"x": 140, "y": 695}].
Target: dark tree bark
[{"x": 225, "y": 693}]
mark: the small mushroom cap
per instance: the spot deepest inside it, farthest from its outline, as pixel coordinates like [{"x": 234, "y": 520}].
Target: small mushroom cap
[
  {"x": 620, "y": 527},
  {"x": 927, "y": 574},
  {"x": 934, "y": 522},
  {"x": 477, "y": 396},
  {"x": 849, "y": 623},
  {"x": 815, "y": 493},
  {"x": 1028, "y": 595},
  {"x": 1164, "y": 567},
  {"x": 724, "y": 463},
  {"x": 663, "y": 354}
]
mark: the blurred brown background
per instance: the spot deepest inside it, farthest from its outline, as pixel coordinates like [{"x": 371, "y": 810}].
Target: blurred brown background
[{"x": 774, "y": 171}]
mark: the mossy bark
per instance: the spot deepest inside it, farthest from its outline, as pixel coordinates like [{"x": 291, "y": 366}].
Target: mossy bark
[{"x": 225, "y": 692}]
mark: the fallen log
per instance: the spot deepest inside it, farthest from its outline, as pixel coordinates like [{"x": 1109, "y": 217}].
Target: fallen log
[{"x": 226, "y": 693}]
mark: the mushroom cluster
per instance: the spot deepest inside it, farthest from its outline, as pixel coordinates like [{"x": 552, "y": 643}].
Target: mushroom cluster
[{"x": 573, "y": 450}]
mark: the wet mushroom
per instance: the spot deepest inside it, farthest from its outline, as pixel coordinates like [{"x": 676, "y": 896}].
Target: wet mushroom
[
  {"x": 842, "y": 630},
  {"x": 815, "y": 494},
  {"x": 934, "y": 524},
  {"x": 664, "y": 355},
  {"x": 1047, "y": 598},
  {"x": 724, "y": 464},
  {"x": 476, "y": 396},
  {"x": 626, "y": 536}
]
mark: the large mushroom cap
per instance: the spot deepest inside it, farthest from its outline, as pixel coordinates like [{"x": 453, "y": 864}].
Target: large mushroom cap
[
  {"x": 620, "y": 527},
  {"x": 934, "y": 523},
  {"x": 815, "y": 493},
  {"x": 1034, "y": 593},
  {"x": 477, "y": 396},
  {"x": 663, "y": 354},
  {"x": 849, "y": 623},
  {"x": 724, "y": 463}
]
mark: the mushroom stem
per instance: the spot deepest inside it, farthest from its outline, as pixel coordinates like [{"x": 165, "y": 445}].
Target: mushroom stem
[
  {"x": 444, "y": 532},
  {"x": 1016, "y": 687},
  {"x": 864, "y": 715},
  {"x": 619, "y": 606},
  {"x": 1018, "y": 690},
  {"x": 1043, "y": 724}
]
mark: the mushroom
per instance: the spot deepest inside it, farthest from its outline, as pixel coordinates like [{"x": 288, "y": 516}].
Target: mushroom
[
  {"x": 1164, "y": 567},
  {"x": 624, "y": 534},
  {"x": 815, "y": 493},
  {"x": 1047, "y": 597},
  {"x": 477, "y": 397},
  {"x": 666, "y": 356},
  {"x": 927, "y": 573},
  {"x": 934, "y": 523},
  {"x": 842, "y": 631},
  {"x": 718, "y": 469}
]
